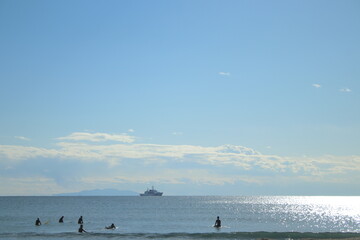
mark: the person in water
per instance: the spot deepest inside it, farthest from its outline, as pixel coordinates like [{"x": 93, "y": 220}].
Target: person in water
[
  {"x": 112, "y": 226},
  {"x": 217, "y": 222},
  {"x": 80, "y": 221},
  {"x": 37, "y": 222},
  {"x": 61, "y": 220},
  {"x": 81, "y": 229}
]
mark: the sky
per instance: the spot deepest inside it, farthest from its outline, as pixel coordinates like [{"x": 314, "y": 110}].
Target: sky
[{"x": 205, "y": 97}]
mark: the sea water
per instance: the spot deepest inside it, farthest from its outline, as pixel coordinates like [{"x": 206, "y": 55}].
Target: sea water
[{"x": 171, "y": 217}]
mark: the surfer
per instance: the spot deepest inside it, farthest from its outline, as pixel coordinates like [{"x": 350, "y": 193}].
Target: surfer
[
  {"x": 61, "y": 220},
  {"x": 81, "y": 229},
  {"x": 217, "y": 222},
  {"x": 37, "y": 222},
  {"x": 112, "y": 226},
  {"x": 80, "y": 221}
]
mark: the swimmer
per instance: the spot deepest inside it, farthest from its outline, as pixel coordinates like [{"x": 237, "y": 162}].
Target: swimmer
[
  {"x": 37, "y": 222},
  {"x": 112, "y": 226},
  {"x": 217, "y": 222},
  {"x": 61, "y": 220}
]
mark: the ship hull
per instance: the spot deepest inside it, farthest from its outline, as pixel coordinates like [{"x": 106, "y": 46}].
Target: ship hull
[{"x": 151, "y": 195}]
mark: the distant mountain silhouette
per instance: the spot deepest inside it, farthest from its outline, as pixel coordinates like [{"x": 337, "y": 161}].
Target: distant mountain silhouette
[{"x": 101, "y": 192}]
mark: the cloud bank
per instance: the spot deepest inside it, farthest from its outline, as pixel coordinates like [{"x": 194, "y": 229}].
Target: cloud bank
[{"x": 90, "y": 160}]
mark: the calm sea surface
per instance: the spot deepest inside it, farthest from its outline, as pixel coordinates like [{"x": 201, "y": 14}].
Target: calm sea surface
[{"x": 180, "y": 217}]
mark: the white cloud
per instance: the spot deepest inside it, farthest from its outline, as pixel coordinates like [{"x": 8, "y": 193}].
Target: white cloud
[
  {"x": 131, "y": 130},
  {"x": 316, "y": 85},
  {"x": 120, "y": 163},
  {"x": 22, "y": 138},
  {"x": 226, "y": 156},
  {"x": 21, "y": 153},
  {"x": 177, "y": 133},
  {"x": 224, "y": 73},
  {"x": 345, "y": 90},
  {"x": 98, "y": 137}
]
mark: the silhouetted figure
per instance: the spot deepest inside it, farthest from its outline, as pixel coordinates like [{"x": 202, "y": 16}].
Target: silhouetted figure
[
  {"x": 80, "y": 221},
  {"x": 217, "y": 222},
  {"x": 112, "y": 226},
  {"x": 61, "y": 220},
  {"x": 81, "y": 229},
  {"x": 37, "y": 222}
]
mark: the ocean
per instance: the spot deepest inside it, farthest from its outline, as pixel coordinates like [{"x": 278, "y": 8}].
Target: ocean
[{"x": 172, "y": 217}]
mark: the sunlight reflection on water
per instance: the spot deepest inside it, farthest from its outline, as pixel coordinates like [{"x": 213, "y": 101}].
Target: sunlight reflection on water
[{"x": 302, "y": 213}]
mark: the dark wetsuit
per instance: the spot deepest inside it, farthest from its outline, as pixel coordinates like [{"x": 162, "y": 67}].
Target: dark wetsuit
[
  {"x": 61, "y": 220},
  {"x": 38, "y": 223},
  {"x": 80, "y": 221},
  {"x": 217, "y": 223},
  {"x": 111, "y": 227},
  {"x": 81, "y": 229}
]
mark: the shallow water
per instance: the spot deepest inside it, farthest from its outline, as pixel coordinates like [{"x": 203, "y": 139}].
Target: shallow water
[{"x": 180, "y": 217}]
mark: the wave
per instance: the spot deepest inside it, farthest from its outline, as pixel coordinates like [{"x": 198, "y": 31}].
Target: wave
[{"x": 183, "y": 235}]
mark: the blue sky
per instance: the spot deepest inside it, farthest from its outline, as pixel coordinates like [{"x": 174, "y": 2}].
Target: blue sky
[{"x": 194, "y": 97}]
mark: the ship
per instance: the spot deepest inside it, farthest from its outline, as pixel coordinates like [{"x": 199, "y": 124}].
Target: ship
[{"x": 151, "y": 192}]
